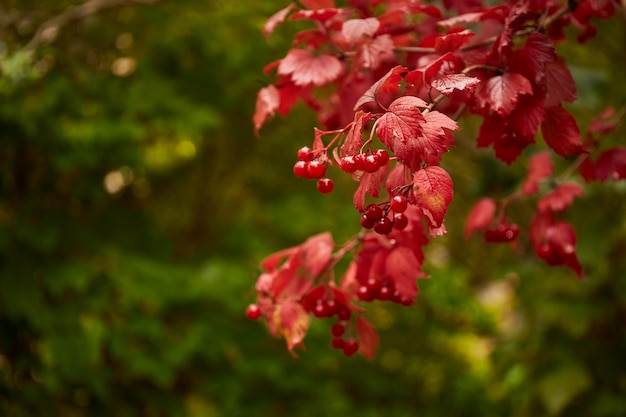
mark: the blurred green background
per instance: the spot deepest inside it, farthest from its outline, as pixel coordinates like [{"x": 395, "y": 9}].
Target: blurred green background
[{"x": 136, "y": 203}]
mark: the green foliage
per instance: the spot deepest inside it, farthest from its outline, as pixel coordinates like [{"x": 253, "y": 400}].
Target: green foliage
[{"x": 135, "y": 204}]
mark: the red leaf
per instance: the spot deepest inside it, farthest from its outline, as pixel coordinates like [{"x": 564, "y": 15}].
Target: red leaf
[
  {"x": 276, "y": 19},
  {"x": 560, "y": 198},
  {"x": 433, "y": 140},
  {"x": 316, "y": 252},
  {"x": 402, "y": 120},
  {"x": 480, "y": 217},
  {"x": 356, "y": 29},
  {"x": 531, "y": 60},
  {"x": 539, "y": 168},
  {"x": 388, "y": 83},
  {"x": 290, "y": 321},
  {"x": 403, "y": 269},
  {"x": 354, "y": 138},
  {"x": 555, "y": 243},
  {"x": 500, "y": 93},
  {"x": 611, "y": 165},
  {"x": 527, "y": 116},
  {"x": 433, "y": 190},
  {"x": 452, "y": 41},
  {"x": 561, "y": 132},
  {"x": 306, "y": 69},
  {"x": 368, "y": 338},
  {"x": 370, "y": 185},
  {"x": 320, "y": 15},
  {"x": 448, "y": 83},
  {"x": 372, "y": 54},
  {"x": 560, "y": 85},
  {"x": 267, "y": 102}
]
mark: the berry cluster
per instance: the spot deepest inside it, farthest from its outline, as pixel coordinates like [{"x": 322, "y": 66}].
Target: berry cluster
[
  {"x": 503, "y": 233},
  {"x": 309, "y": 167},
  {"x": 349, "y": 346},
  {"x": 382, "y": 290},
  {"x": 368, "y": 162},
  {"x": 383, "y": 219}
]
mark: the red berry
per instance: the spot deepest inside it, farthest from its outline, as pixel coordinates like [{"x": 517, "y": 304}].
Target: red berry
[
  {"x": 337, "y": 343},
  {"x": 316, "y": 169},
  {"x": 366, "y": 222},
  {"x": 330, "y": 308},
  {"x": 359, "y": 161},
  {"x": 398, "y": 204},
  {"x": 374, "y": 212},
  {"x": 253, "y": 312},
  {"x": 319, "y": 310},
  {"x": 301, "y": 169},
  {"x": 325, "y": 185},
  {"x": 337, "y": 329},
  {"x": 305, "y": 154},
  {"x": 350, "y": 347},
  {"x": 400, "y": 221},
  {"x": 343, "y": 313},
  {"x": 370, "y": 164},
  {"x": 365, "y": 293},
  {"x": 385, "y": 293},
  {"x": 348, "y": 164},
  {"x": 383, "y": 226},
  {"x": 382, "y": 157}
]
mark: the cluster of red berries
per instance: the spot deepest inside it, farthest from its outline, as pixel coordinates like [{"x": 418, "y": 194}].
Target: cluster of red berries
[
  {"x": 309, "y": 167},
  {"x": 387, "y": 217},
  {"x": 382, "y": 290},
  {"x": 349, "y": 346},
  {"x": 368, "y": 162}
]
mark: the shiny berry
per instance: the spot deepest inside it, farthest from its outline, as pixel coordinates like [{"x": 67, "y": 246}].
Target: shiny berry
[
  {"x": 400, "y": 221},
  {"x": 365, "y": 293},
  {"x": 316, "y": 169},
  {"x": 374, "y": 212},
  {"x": 344, "y": 313},
  {"x": 385, "y": 293},
  {"x": 301, "y": 169},
  {"x": 370, "y": 164},
  {"x": 382, "y": 157},
  {"x": 398, "y": 204},
  {"x": 348, "y": 164},
  {"x": 253, "y": 312},
  {"x": 325, "y": 185},
  {"x": 366, "y": 222},
  {"x": 350, "y": 347},
  {"x": 305, "y": 154},
  {"x": 383, "y": 226},
  {"x": 359, "y": 160}
]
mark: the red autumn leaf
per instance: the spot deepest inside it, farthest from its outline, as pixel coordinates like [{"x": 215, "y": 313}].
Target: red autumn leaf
[
  {"x": 446, "y": 84},
  {"x": 527, "y": 115},
  {"x": 320, "y": 15},
  {"x": 402, "y": 120},
  {"x": 372, "y": 55},
  {"x": 561, "y": 132},
  {"x": 432, "y": 69},
  {"x": 531, "y": 60},
  {"x": 433, "y": 190},
  {"x": 561, "y": 197},
  {"x": 318, "y": 4},
  {"x": 354, "y": 138},
  {"x": 403, "y": 268},
  {"x": 267, "y": 102},
  {"x": 306, "y": 68},
  {"x": 491, "y": 130},
  {"x": 611, "y": 165},
  {"x": 290, "y": 321},
  {"x": 555, "y": 242},
  {"x": 355, "y": 30},
  {"x": 511, "y": 145},
  {"x": 316, "y": 252},
  {"x": 604, "y": 123},
  {"x": 500, "y": 93},
  {"x": 370, "y": 185},
  {"x": 496, "y": 12},
  {"x": 539, "y": 168},
  {"x": 388, "y": 83},
  {"x": 480, "y": 217},
  {"x": 560, "y": 85},
  {"x": 368, "y": 338},
  {"x": 452, "y": 41},
  {"x": 276, "y": 19}
]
